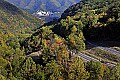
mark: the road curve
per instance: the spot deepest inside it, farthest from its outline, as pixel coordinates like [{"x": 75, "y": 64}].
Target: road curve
[{"x": 105, "y": 48}]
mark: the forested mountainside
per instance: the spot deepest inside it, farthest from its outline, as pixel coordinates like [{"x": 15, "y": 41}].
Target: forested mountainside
[
  {"x": 45, "y": 5},
  {"x": 54, "y": 42},
  {"x": 13, "y": 19},
  {"x": 15, "y": 23},
  {"x": 15, "y": 26},
  {"x": 101, "y": 18},
  {"x": 46, "y": 54}
]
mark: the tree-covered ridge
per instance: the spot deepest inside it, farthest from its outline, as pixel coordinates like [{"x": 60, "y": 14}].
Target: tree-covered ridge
[
  {"x": 53, "y": 43},
  {"x": 46, "y": 5},
  {"x": 67, "y": 32},
  {"x": 46, "y": 54},
  {"x": 98, "y": 16},
  {"x": 15, "y": 20},
  {"x": 15, "y": 26}
]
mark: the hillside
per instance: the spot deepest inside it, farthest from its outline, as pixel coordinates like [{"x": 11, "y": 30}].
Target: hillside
[
  {"x": 56, "y": 50},
  {"x": 15, "y": 26},
  {"x": 15, "y": 20},
  {"x": 45, "y": 5},
  {"x": 101, "y": 19},
  {"x": 87, "y": 20}
]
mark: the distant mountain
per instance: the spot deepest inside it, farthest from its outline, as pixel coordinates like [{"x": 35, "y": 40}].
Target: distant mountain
[
  {"x": 45, "y": 5},
  {"x": 13, "y": 19}
]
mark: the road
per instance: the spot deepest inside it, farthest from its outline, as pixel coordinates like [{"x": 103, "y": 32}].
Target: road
[
  {"x": 87, "y": 58},
  {"x": 83, "y": 56},
  {"x": 105, "y": 48}
]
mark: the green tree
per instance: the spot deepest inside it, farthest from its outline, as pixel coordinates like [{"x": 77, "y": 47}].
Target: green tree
[
  {"x": 28, "y": 69},
  {"x": 40, "y": 75},
  {"x": 73, "y": 29},
  {"x": 53, "y": 70},
  {"x": 77, "y": 70},
  {"x": 2, "y": 77},
  {"x": 95, "y": 69},
  {"x": 115, "y": 73}
]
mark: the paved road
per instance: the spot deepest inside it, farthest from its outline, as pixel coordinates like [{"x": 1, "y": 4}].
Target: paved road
[
  {"x": 87, "y": 58},
  {"x": 105, "y": 48},
  {"x": 83, "y": 56}
]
